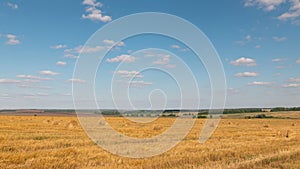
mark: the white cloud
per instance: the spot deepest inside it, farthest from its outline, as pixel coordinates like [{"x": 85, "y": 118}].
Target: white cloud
[
  {"x": 279, "y": 39},
  {"x": 170, "y": 66},
  {"x": 180, "y": 48},
  {"x": 66, "y": 94},
  {"x": 12, "y": 5},
  {"x": 111, "y": 42},
  {"x": 139, "y": 83},
  {"x": 293, "y": 12},
  {"x": 129, "y": 74},
  {"x": 298, "y": 61},
  {"x": 61, "y": 63},
  {"x": 48, "y": 72},
  {"x": 88, "y": 49},
  {"x": 175, "y": 46},
  {"x": 291, "y": 85},
  {"x": 60, "y": 46},
  {"x": 71, "y": 55},
  {"x": 108, "y": 42},
  {"x": 233, "y": 91},
  {"x": 248, "y": 37},
  {"x": 12, "y": 39},
  {"x": 162, "y": 60},
  {"x": 122, "y": 58},
  {"x": 5, "y": 96},
  {"x": 267, "y": 5},
  {"x": 76, "y": 80},
  {"x": 258, "y": 46},
  {"x": 92, "y": 3},
  {"x": 246, "y": 74},
  {"x": 255, "y": 83},
  {"x": 9, "y": 81},
  {"x": 28, "y": 85},
  {"x": 244, "y": 62},
  {"x": 93, "y": 13},
  {"x": 74, "y": 52},
  {"x": 278, "y": 60},
  {"x": 33, "y": 77},
  {"x": 294, "y": 80},
  {"x": 42, "y": 94}
]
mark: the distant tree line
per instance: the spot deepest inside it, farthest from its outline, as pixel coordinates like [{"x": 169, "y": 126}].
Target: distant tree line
[
  {"x": 276, "y": 109},
  {"x": 232, "y": 111},
  {"x": 258, "y": 116},
  {"x": 109, "y": 113}
]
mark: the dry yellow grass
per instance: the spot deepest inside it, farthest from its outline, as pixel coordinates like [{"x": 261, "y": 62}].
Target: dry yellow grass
[{"x": 60, "y": 142}]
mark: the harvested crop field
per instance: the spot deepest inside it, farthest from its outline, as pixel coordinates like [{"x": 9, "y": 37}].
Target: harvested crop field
[{"x": 60, "y": 142}]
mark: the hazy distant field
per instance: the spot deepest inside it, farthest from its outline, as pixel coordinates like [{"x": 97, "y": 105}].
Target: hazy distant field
[{"x": 60, "y": 142}]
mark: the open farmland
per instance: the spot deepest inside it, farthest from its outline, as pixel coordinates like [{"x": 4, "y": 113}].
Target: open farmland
[{"x": 60, "y": 142}]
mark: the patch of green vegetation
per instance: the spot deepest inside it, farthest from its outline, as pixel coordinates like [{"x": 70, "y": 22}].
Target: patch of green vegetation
[
  {"x": 108, "y": 113},
  {"x": 259, "y": 116},
  {"x": 169, "y": 115},
  {"x": 201, "y": 117}
]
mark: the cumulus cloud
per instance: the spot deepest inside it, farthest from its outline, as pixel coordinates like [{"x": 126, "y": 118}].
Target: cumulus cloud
[
  {"x": 258, "y": 46},
  {"x": 33, "y": 77},
  {"x": 245, "y": 40},
  {"x": 293, "y": 12},
  {"x": 92, "y": 3},
  {"x": 279, "y": 39},
  {"x": 60, "y": 46},
  {"x": 32, "y": 86},
  {"x": 12, "y": 39},
  {"x": 74, "y": 52},
  {"x": 61, "y": 63},
  {"x": 175, "y": 46},
  {"x": 129, "y": 74},
  {"x": 93, "y": 13},
  {"x": 255, "y": 83},
  {"x": 76, "y": 80},
  {"x": 248, "y": 37},
  {"x": 179, "y": 48},
  {"x": 278, "y": 60},
  {"x": 162, "y": 60},
  {"x": 244, "y": 62},
  {"x": 267, "y": 5},
  {"x": 111, "y": 42},
  {"x": 140, "y": 83},
  {"x": 294, "y": 80},
  {"x": 170, "y": 66},
  {"x": 12, "y": 5},
  {"x": 122, "y": 58},
  {"x": 298, "y": 61},
  {"x": 9, "y": 81},
  {"x": 291, "y": 85},
  {"x": 246, "y": 74},
  {"x": 48, "y": 72}
]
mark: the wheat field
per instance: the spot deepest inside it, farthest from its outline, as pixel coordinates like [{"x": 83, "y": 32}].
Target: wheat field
[{"x": 60, "y": 142}]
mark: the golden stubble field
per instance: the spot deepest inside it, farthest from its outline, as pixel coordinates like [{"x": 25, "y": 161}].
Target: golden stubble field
[{"x": 60, "y": 142}]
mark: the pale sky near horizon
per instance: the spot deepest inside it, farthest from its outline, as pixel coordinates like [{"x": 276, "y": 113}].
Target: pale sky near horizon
[{"x": 257, "y": 41}]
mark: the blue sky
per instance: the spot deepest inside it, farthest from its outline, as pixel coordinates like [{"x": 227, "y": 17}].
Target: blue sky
[{"x": 257, "y": 41}]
